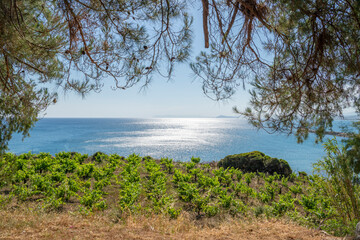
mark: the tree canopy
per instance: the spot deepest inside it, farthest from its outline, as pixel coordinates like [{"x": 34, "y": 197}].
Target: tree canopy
[
  {"x": 43, "y": 43},
  {"x": 301, "y": 57}
]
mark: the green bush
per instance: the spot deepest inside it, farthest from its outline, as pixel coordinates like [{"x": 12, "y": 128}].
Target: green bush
[
  {"x": 99, "y": 157},
  {"x": 256, "y": 162},
  {"x": 338, "y": 182}
]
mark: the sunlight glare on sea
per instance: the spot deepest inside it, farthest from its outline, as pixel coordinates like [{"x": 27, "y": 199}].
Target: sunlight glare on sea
[
  {"x": 180, "y": 133},
  {"x": 211, "y": 139}
]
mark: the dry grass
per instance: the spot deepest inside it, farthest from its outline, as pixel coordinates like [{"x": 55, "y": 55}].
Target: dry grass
[{"x": 27, "y": 224}]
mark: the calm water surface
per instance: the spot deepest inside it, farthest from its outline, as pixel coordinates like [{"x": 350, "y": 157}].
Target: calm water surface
[{"x": 207, "y": 138}]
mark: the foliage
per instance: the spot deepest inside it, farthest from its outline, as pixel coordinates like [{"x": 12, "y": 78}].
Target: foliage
[
  {"x": 301, "y": 57},
  {"x": 339, "y": 182},
  {"x": 168, "y": 163},
  {"x": 42, "y": 43},
  {"x": 352, "y": 147},
  {"x": 155, "y": 188},
  {"x": 56, "y": 180},
  {"x": 256, "y": 162},
  {"x": 136, "y": 185},
  {"x": 130, "y": 186}
]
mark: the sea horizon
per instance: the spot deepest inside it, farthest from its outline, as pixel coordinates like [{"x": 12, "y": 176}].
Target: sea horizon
[
  {"x": 152, "y": 117},
  {"x": 211, "y": 139}
]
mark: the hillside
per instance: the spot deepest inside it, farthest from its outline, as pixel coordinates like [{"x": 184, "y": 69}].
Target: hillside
[{"x": 72, "y": 195}]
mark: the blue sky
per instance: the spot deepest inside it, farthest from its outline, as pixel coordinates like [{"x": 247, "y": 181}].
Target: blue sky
[{"x": 181, "y": 97}]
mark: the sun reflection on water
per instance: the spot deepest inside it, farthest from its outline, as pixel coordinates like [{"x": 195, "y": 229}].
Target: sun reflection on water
[{"x": 179, "y": 133}]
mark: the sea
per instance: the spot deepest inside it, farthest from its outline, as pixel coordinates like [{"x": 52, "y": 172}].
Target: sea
[{"x": 211, "y": 139}]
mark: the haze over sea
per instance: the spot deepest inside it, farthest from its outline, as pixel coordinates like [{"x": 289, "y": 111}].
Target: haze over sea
[{"x": 178, "y": 138}]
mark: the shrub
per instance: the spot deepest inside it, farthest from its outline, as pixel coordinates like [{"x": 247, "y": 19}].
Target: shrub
[
  {"x": 168, "y": 163},
  {"x": 99, "y": 157},
  {"x": 211, "y": 211},
  {"x": 93, "y": 199},
  {"x": 256, "y": 162},
  {"x": 337, "y": 182},
  {"x": 174, "y": 213}
]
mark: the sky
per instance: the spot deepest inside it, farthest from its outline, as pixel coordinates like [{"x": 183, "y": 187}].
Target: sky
[{"x": 180, "y": 97}]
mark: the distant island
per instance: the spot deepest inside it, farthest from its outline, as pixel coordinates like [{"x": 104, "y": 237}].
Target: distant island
[{"x": 223, "y": 116}]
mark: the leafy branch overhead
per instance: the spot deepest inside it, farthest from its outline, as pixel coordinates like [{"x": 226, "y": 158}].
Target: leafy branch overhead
[
  {"x": 301, "y": 57},
  {"x": 76, "y": 44}
]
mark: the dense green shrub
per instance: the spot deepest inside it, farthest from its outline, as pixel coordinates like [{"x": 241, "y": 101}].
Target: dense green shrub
[
  {"x": 338, "y": 183},
  {"x": 99, "y": 157},
  {"x": 256, "y": 162}
]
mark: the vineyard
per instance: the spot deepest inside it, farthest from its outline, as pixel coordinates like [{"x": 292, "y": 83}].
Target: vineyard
[{"x": 74, "y": 182}]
